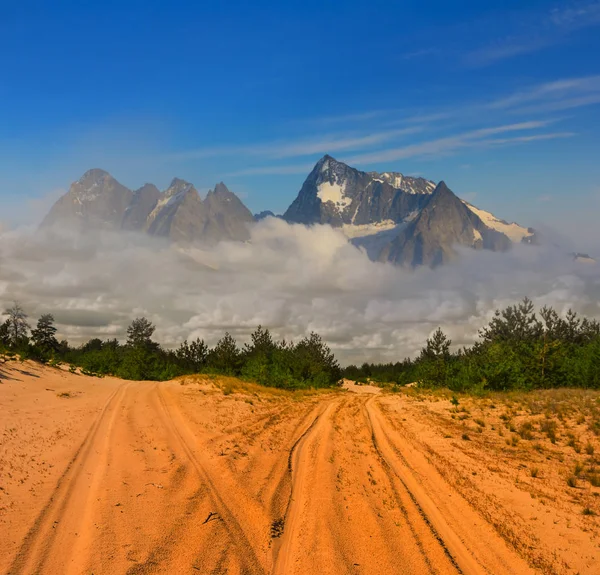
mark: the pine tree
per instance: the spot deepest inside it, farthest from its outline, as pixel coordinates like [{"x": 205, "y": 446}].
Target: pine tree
[
  {"x": 261, "y": 343},
  {"x": 437, "y": 346},
  {"x": 225, "y": 356},
  {"x": 517, "y": 323},
  {"x": 434, "y": 359},
  {"x": 193, "y": 354},
  {"x": 44, "y": 335},
  {"x": 314, "y": 363},
  {"x": 139, "y": 333}
]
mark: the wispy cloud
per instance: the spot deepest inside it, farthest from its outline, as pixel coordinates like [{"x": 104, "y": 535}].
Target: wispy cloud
[
  {"x": 448, "y": 132},
  {"x": 302, "y": 147},
  {"x": 447, "y": 144},
  {"x": 558, "y": 105},
  {"x": 525, "y": 139},
  {"x": 576, "y": 15},
  {"x": 560, "y": 94},
  {"x": 542, "y": 30}
]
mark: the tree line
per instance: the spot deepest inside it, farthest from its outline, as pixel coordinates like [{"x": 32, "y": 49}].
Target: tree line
[
  {"x": 518, "y": 349},
  {"x": 307, "y": 363}
]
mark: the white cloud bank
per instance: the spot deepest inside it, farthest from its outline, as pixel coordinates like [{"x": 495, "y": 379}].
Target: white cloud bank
[{"x": 289, "y": 278}]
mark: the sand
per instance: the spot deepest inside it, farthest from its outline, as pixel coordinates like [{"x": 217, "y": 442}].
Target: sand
[{"x": 204, "y": 475}]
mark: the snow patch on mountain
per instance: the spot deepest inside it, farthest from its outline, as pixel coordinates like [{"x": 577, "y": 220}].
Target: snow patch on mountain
[
  {"x": 514, "y": 231},
  {"x": 362, "y": 230},
  {"x": 406, "y": 183},
  {"x": 335, "y": 193},
  {"x": 170, "y": 199}
]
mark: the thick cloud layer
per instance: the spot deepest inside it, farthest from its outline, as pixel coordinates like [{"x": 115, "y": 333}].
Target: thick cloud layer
[{"x": 289, "y": 278}]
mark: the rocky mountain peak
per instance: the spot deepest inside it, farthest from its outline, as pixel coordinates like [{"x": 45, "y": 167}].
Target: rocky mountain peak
[
  {"x": 92, "y": 183},
  {"x": 442, "y": 191},
  {"x": 93, "y": 176},
  {"x": 338, "y": 194},
  {"x": 144, "y": 200},
  {"x": 228, "y": 216},
  {"x": 410, "y": 184},
  {"x": 443, "y": 223},
  {"x": 95, "y": 200},
  {"x": 329, "y": 169},
  {"x": 265, "y": 214},
  {"x": 402, "y": 219},
  {"x": 221, "y": 189},
  {"x": 178, "y": 186},
  {"x": 147, "y": 189}
]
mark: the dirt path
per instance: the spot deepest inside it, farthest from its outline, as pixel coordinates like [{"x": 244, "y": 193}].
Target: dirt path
[{"x": 173, "y": 478}]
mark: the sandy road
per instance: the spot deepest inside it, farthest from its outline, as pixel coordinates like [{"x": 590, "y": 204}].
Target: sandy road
[
  {"x": 133, "y": 500},
  {"x": 175, "y": 480}
]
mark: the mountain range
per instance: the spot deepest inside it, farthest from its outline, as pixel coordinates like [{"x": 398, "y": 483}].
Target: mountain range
[
  {"x": 97, "y": 200},
  {"x": 404, "y": 220}
]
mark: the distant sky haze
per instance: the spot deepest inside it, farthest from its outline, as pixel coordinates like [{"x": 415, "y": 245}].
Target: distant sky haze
[{"x": 499, "y": 99}]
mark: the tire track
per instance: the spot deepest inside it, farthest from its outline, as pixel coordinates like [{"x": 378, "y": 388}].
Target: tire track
[
  {"x": 40, "y": 540},
  {"x": 278, "y": 495},
  {"x": 453, "y": 547},
  {"x": 151, "y": 502},
  {"x": 237, "y": 528},
  {"x": 284, "y": 552},
  {"x": 333, "y": 490}
]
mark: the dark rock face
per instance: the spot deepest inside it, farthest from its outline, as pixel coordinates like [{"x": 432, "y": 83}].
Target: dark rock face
[
  {"x": 419, "y": 223},
  {"x": 179, "y": 214},
  {"x": 264, "y": 214},
  {"x": 142, "y": 203},
  {"x": 337, "y": 194},
  {"x": 228, "y": 217},
  {"x": 96, "y": 200},
  {"x": 443, "y": 223}
]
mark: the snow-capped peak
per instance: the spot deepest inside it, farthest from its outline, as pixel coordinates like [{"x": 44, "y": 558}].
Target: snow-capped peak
[
  {"x": 512, "y": 230},
  {"x": 408, "y": 184},
  {"x": 331, "y": 182}
]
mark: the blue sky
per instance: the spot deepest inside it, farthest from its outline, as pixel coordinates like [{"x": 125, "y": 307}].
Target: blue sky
[{"x": 499, "y": 99}]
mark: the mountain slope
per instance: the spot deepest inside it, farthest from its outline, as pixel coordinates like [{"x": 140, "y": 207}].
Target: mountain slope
[
  {"x": 401, "y": 219},
  {"x": 142, "y": 203},
  {"x": 514, "y": 231},
  {"x": 228, "y": 217},
  {"x": 179, "y": 214},
  {"x": 95, "y": 200},
  {"x": 336, "y": 194},
  {"x": 98, "y": 201},
  {"x": 444, "y": 222}
]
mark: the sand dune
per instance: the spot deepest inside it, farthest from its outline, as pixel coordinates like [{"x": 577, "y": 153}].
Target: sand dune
[{"x": 104, "y": 476}]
